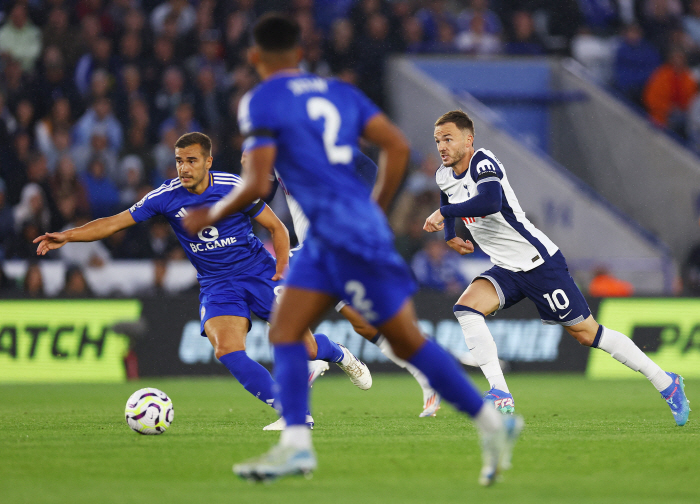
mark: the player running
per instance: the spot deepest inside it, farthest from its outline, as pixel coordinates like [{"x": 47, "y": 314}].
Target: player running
[
  {"x": 308, "y": 128},
  {"x": 474, "y": 187},
  {"x": 235, "y": 273},
  {"x": 367, "y": 171}
]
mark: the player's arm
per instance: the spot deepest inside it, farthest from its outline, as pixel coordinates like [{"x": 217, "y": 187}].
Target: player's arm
[
  {"x": 392, "y": 160},
  {"x": 489, "y": 200},
  {"x": 280, "y": 238},
  {"x": 92, "y": 231},
  {"x": 256, "y": 184}
]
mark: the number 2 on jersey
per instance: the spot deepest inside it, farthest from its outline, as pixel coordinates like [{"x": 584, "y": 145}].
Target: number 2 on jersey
[{"x": 318, "y": 108}]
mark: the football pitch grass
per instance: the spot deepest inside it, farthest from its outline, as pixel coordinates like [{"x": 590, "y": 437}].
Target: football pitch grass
[{"x": 584, "y": 441}]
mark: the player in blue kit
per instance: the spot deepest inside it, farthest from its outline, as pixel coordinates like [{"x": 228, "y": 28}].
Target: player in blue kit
[
  {"x": 236, "y": 274},
  {"x": 475, "y": 188},
  {"x": 307, "y": 128}
]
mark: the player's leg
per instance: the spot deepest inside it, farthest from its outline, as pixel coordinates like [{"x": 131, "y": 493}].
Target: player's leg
[
  {"x": 297, "y": 310},
  {"x": 227, "y": 335},
  {"x": 498, "y": 433},
  {"x": 477, "y": 301},
  {"x": 623, "y": 349},
  {"x": 431, "y": 399}
]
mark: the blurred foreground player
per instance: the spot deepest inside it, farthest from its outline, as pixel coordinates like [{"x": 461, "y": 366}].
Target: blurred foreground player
[
  {"x": 475, "y": 188},
  {"x": 235, "y": 273},
  {"x": 308, "y": 127},
  {"x": 367, "y": 171}
]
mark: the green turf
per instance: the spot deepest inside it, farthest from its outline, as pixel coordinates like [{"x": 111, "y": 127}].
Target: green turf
[{"x": 585, "y": 441}]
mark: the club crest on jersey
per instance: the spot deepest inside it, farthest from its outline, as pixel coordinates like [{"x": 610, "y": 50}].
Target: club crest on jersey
[
  {"x": 210, "y": 236},
  {"x": 138, "y": 204}
]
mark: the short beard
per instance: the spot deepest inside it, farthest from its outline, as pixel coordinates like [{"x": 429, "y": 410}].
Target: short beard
[{"x": 459, "y": 155}]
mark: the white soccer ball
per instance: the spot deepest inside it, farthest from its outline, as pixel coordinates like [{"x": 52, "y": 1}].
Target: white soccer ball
[{"x": 149, "y": 411}]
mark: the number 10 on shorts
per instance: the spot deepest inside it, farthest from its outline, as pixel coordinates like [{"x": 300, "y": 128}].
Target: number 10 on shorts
[{"x": 557, "y": 299}]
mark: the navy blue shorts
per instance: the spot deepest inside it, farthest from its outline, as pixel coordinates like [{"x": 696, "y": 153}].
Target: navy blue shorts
[
  {"x": 549, "y": 286},
  {"x": 238, "y": 295},
  {"x": 376, "y": 289}
]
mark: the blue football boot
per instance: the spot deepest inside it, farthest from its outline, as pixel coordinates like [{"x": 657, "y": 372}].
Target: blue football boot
[
  {"x": 676, "y": 399},
  {"x": 503, "y": 401}
]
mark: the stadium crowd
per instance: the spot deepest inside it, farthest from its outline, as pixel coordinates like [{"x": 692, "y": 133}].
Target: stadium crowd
[{"x": 94, "y": 93}]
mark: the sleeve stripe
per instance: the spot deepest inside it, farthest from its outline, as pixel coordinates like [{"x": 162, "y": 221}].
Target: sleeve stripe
[
  {"x": 492, "y": 178},
  {"x": 163, "y": 189}
]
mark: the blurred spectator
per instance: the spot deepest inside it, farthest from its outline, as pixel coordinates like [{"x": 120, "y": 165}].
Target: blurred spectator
[
  {"x": 54, "y": 84},
  {"x": 210, "y": 103},
  {"x": 164, "y": 155},
  {"x": 184, "y": 14},
  {"x": 66, "y": 185},
  {"x": 374, "y": 49},
  {"x": 412, "y": 30},
  {"x": 99, "y": 58},
  {"x": 524, "y": 41},
  {"x": 76, "y": 285},
  {"x": 83, "y": 254},
  {"x": 601, "y": 16},
  {"x": 131, "y": 179},
  {"x": 130, "y": 49},
  {"x": 431, "y": 16},
  {"x": 103, "y": 194},
  {"x": 33, "y": 285},
  {"x": 32, "y": 207},
  {"x": 130, "y": 89},
  {"x": 8, "y": 123},
  {"x": 99, "y": 148},
  {"x": 25, "y": 115},
  {"x": 445, "y": 43},
  {"x": 476, "y": 39},
  {"x": 182, "y": 121},
  {"x": 437, "y": 268},
  {"x": 14, "y": 168},
  {"x": 341, "y": 48},
  {"x": 7, "y": 220},
  {"x": 170, "y": 95},
  {"x": 604, "y": 284},
  {"x": 209, "y": 57},
  {"x": 58, "y": 33},
  {"x": 99, "y": 116},
  {"x": 15, "y": 82},
  {"x": 635, "y": 61},
  {"x": 8, "y": 286},
  {"x": 19, "y": 38},
  {"x": 161, "y": 238},
  {"x": 669, "y": 91},
  {"x": 21, "y": 246},
  {"x": 137, "y": 144},
  {"x": 659, "y": 19},
  {"x": 57, "y": 119},
  {"x": 490, "y": 22},
  {"x": 691, "y": 21}
]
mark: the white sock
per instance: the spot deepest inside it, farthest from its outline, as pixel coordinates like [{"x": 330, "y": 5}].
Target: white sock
[
  {"x": 482, "y": 347},
  {"x": 296, "y": 436},
  {"x": 488, "y": 420},
  {"x": 385, "y": 348},
  {"x": 623, "y": 349}
]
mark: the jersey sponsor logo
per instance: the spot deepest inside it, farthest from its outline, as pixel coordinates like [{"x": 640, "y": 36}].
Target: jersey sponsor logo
[
  {"x": 210, "y": 236},
  {"x": 181, "y": 213}
]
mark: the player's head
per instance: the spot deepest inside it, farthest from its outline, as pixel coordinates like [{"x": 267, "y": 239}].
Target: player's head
[
  {"x": 454, "y": 136},
  {"x": 277, "y": 44},
  {"x": 193, "y": 160}
]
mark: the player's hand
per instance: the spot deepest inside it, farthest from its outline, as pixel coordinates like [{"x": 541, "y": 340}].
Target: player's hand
[
  {"x": 50, "y": 241},
  {"x": 461, "y": 246},
  {"x": 280, "y": 270},
  {"x": 196, "y": 220},
  {"x": 436, "y": 222}
]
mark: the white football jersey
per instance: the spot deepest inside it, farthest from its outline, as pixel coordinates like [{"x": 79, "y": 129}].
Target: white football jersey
[
  {"x": 299, "y": 220},
  {"x": 507, "y": 237}
]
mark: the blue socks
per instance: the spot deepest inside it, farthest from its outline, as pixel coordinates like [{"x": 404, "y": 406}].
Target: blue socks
[
  {"x": 291, "y": 375},
  {"x": 328, "y": 350},
  {"x": 447, "y": 377},
  {"x": 254, "y": 377}
]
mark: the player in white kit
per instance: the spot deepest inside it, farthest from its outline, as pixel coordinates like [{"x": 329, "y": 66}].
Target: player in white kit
[
  {"x": 474, "y": 187},
  {"x": 368, "y": 171}
]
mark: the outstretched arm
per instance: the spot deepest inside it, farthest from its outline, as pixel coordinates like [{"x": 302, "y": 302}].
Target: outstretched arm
[
  {"x": 280, "y": 238},
  {"x": 392, "y": 160},
  {"x": 92, "y": 231},
  {"x": 256, "y": 184}
]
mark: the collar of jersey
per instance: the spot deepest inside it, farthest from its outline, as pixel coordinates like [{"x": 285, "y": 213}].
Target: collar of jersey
[{"x": 459, "y": 176}]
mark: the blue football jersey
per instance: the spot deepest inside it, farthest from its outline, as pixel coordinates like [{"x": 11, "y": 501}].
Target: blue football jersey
[
  {"x": 224, "y": 249},
  {"x": 315, "y": 125}
]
